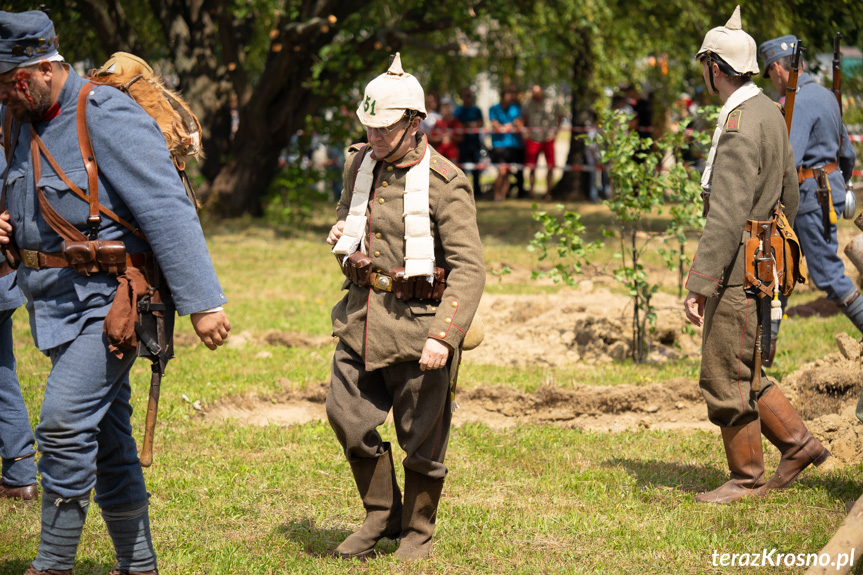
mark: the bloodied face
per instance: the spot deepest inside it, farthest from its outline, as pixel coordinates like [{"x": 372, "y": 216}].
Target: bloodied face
[{"x": 25, "y": 93}]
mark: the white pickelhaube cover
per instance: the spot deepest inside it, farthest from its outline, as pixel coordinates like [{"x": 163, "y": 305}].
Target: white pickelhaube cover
[
  {"x": 388, "y": 96},
  {"x": 733, "y": 45}
]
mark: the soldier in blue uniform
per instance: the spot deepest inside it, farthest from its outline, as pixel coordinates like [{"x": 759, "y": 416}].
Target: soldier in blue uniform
[
  {"x": 820, "y": 142},
  {"x": 84, "y": 432},
  {"x": 18, "y": 480}
]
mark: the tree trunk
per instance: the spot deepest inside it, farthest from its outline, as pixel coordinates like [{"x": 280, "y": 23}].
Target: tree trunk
[{"x": 575, "y": 184}]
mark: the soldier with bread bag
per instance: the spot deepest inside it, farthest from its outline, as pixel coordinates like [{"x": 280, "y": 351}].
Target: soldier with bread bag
[{"x": 750, "y": 168}]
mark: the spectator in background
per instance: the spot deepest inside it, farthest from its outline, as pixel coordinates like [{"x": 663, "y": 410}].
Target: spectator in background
[
  {"x": 428, "y": 123},
  {"x": 448, "y": 132},
  {"x": 542, "y": 118},
  {"x": 506, "y": 123},
  {"x": 470, "y": 147}
]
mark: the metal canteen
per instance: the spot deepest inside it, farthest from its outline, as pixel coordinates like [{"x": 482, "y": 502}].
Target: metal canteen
[{"x": 850, "y": 202}]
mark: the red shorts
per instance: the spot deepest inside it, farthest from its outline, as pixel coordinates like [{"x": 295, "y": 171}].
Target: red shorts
[{"x": 532, "y": 149}]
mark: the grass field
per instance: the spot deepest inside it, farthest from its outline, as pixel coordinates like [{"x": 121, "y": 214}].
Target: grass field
[{"x": 232, "y": 499}]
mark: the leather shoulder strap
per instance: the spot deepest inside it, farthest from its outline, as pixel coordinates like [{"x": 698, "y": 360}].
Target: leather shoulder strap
[
  {"x": 88, "y": 156},
  {"x": 78, "y": 191}
]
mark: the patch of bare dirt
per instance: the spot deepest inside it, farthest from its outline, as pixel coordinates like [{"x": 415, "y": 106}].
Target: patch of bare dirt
[
  {"x": 244, "y": 338},
  {"x": 587, "y": 324},
  {"x": 674, "y": 404}
]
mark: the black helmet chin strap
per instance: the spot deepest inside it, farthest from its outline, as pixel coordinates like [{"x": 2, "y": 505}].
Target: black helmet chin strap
[{"x": 411, "y": 116}]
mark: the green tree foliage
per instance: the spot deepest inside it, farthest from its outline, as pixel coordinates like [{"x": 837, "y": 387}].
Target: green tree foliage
[{"x": 279, "y": 64}]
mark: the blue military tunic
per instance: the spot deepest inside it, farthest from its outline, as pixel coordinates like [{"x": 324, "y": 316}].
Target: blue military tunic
[
  {"x": 137, "y": 181},
  {"x": 815, "y": 137}
]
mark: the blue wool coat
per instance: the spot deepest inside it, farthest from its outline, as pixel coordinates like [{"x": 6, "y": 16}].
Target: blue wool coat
[
  {"x": 137, "y": 180},
  {"x": 815, "y": 135}
]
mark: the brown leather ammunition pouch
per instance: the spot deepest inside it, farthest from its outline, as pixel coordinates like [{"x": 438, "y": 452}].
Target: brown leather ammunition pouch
[
  {"x": 358, "y": 268},
  {"x": 111, "y": 257},
  {"x": 89, "y": 257},
  {"x": 418, "y": 287}
]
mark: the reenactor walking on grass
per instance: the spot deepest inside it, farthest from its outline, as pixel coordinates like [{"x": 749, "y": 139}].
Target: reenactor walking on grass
[
  {"x": 825, "y": 158},
  {"x": 82, "y": 293},
  {"x": 407, "y": 240},
  {"x": 749, "y": 170}
]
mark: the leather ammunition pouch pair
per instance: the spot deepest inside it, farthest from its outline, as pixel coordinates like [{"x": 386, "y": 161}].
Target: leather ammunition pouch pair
[
  {"x": 88, "y": 257},
  {"x": 358, "y": 268},
  {"x": 418, "y": 287}
]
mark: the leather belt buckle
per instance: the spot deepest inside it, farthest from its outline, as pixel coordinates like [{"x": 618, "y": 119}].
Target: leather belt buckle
[
  {"x": 30, "y": 259},
  {"x": 382, "y": 282}
]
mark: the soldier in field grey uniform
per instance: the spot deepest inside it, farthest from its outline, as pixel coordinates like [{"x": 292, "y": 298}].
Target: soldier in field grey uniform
[
  {"x": 406, "y": 219},
  {"x": 751, "y": 164}
]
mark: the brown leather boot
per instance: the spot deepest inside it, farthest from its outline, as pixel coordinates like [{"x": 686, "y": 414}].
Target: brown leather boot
[
  {"x": 746, "y": 462},
  {"x": 27, "y": 493},
  {"x": 781, "y": 424},
  {"x": 376, "y": 481},
  {"x": 31, "y": 571},
  {"x": 422, "y": 495}
]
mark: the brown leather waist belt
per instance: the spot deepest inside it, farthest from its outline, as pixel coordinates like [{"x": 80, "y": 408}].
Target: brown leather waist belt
[
  {"x": 803, "y": 175},
  {"x": 41, "y": 260}
]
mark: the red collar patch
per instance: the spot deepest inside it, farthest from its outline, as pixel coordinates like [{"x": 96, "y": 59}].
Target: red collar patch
[{"x": 52, "y": 113}]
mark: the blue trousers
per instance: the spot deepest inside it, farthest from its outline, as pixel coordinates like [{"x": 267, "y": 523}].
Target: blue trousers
[
  {"x": 16, "y": 435},
  {"x": 826, "y": 270},
  {"x": 85, "y": 430}
]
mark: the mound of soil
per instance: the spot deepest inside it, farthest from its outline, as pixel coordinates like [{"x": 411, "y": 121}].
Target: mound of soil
[
  {"x": 674, "y": 404},
  {"x": 825, "y": 392},
  {"x": 587, "y": 324}
]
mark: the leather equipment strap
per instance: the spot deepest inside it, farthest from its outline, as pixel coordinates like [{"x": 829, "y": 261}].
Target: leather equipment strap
[
  {"x": 79, "y": 192},
  {"x": 805, "y": 174}
]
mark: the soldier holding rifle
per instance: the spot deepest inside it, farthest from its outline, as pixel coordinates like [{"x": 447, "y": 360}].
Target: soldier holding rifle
[
  {"x": 824, "y": 158},
  {"x": 749, "y": 169},
  {"x": 85, "y": 433}
]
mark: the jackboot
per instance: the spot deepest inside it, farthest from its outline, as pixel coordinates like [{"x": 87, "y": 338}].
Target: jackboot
[
  {"x": 746, "y": 462},
  {"x": 422, "y": 495},
  {"x": 382, "y": 499},
  {"x": 782, "y": 426}
]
